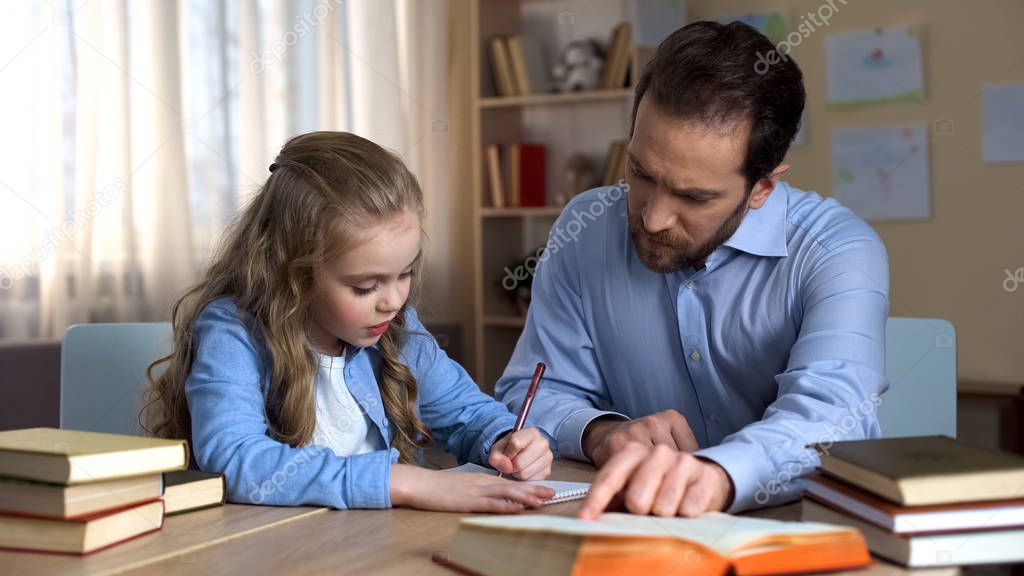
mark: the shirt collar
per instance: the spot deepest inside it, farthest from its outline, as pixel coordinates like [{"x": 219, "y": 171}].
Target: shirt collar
[{"x": 763, "y": 231}]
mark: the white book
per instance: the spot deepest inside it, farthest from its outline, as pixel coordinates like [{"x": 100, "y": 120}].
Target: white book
[{"x": 934, "y": 549}]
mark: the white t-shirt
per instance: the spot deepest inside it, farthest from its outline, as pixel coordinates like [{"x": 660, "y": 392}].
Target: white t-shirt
[{"x": 341, "y": 424}]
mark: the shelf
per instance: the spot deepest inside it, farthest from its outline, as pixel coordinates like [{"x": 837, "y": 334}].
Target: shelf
[
  {"x": 505, "y": 321},
  {"x": 556, "y": 99},
  {"x": 541, "y": 211}
]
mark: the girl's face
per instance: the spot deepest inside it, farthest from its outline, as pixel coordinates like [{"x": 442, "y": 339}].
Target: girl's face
[{"x": 360, "y": 292}]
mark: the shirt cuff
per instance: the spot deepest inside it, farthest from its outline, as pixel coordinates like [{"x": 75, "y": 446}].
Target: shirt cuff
[
  {"x": 368, "y": 481},
  {"x": 502, "y": 424},
  {"x": 570, "y": 432},
  {"x": 753, "y": 484}
]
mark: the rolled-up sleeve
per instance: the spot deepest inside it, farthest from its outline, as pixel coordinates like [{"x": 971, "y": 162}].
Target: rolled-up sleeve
[{"x": 230, "y": 430}]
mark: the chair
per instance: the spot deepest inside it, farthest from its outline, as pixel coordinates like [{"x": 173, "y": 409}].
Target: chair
[
  {"x": 920, "y": 363},
  {"x": 103, "y": 374}
]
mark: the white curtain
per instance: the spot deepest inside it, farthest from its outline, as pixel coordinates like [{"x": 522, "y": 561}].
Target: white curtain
[
  {"x": 93, "y": 220},
  {"x": 133, "y": 131},
  {"x": 399, "y": 88}
]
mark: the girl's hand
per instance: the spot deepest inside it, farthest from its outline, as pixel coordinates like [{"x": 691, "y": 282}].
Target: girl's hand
[
  {"x": 525, "y": 455},
  {"x": 462, "y": 491}
]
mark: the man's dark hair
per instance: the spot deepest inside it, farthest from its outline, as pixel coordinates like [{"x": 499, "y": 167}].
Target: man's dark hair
[{"x": 714, "y": 74}]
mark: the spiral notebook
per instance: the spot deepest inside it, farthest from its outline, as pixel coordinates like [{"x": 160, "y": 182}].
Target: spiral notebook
[{"x": 564, "y": 491}]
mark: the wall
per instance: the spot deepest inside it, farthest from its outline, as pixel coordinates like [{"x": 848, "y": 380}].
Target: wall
[{"x": 951, "y": 266}]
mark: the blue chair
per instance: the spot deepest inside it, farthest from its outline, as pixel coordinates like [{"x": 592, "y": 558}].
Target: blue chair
[
  {"x": 103, "y": 374},
  {"x": 920, "y": 363}
]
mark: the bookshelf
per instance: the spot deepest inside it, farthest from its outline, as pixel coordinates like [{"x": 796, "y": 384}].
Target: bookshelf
[{"x": 583, "y": 122}]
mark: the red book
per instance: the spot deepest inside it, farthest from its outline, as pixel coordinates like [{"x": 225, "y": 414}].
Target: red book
[{"x": 533, "y": 175}]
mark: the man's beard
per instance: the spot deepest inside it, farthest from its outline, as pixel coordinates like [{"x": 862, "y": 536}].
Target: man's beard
[{"x": 678, "y": 254}]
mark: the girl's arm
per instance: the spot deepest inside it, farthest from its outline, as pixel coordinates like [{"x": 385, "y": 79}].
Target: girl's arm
[
  {"x": 229, "y": 430},
  {"x": 417, "y": 487},
  {"x": 462, "y": 419},
  {"x": 229, "y": 434}
]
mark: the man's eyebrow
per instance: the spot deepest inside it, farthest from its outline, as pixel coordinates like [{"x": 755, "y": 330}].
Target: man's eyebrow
[
  {"x": 703, "y": 193},
  {"x": 636, "y": 163},
  {"x": 371, "y": 276}
]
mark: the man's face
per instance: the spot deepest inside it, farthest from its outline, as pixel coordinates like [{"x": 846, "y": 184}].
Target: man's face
[{"x": 687, "y": 194}]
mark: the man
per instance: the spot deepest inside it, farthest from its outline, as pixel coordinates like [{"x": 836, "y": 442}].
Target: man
[{"x": 704, "y": 322}]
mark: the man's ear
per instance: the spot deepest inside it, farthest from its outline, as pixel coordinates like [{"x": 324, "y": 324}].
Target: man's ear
[{"x": 764, "y": 187}]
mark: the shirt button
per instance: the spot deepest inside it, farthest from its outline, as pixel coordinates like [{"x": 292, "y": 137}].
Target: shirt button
[
  {"x": 695, "y": 356},
  {"x": 689, "y": 284},
  {"x": 713, "y": 418}
]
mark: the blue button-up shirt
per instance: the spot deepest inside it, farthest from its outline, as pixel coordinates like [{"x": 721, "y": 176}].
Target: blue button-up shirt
[
  {"x": 227, "y": 388},
  {"x": 777, "y": 343}
]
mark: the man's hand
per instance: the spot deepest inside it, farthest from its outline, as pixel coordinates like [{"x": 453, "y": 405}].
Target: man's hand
[
  {"x": 659, "y": 480},
  {"x": 603, "y": 438}
]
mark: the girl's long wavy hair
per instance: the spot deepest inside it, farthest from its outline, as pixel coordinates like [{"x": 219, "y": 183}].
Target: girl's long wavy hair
[{"x": 324, "y": 189}]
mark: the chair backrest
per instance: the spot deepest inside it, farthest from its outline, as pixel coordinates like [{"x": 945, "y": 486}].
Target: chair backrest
[
  {"x": 920, "y": 363},
  {"x": 103, "y": 374}
]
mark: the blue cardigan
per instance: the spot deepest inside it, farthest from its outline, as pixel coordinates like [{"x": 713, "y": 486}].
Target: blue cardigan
[{"x": 226, "y": 392}]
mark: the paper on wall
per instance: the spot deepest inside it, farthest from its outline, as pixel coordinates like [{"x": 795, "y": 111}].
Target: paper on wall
[
  {"x": 882, "y": 173},
  {"x": 874, "y": 66},
  {"x": 1003, "y": 123}
]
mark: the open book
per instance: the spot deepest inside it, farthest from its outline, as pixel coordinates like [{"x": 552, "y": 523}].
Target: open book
[
  {"x": 713, "y": 544},
  {"x": 564, "y": 491}
]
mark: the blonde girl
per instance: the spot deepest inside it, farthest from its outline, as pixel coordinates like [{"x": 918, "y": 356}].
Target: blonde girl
[{"x": 301, "y": 371}]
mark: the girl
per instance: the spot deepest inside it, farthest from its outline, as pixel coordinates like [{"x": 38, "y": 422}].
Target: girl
[{"x": 301, "y": 372}]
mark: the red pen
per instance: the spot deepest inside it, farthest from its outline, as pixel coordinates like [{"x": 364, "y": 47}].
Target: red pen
[{"x": 528, "y": 401}]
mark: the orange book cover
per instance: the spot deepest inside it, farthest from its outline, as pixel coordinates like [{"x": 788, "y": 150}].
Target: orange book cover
[{"x": 711, "y": 545}]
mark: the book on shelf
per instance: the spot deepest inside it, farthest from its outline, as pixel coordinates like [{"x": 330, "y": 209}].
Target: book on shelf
[
  {"x": 609, "y": 56},
  {"x": 517, "y": 59},
  {"x": 615, "y": 163},
  {"x": 924, "y": 470},
  {"x": 517, "y": 174},
  {"x": 83, "y": 534},
  {"x": 564, "y": 491},
  {"x": 713, "y": 544},
  {"x": 501, "y": 67},
  {"x": 615, "y": 68},
  {"x": 533, "y": 175},
  {"x": 927, "y": 549},
  {"x": 913, "y": 519},
  {"x": 495, "y": 177},
  {"x": 514, "y": 175},
  {"x": 188, "y": 490},
  {"x": 623, "y": 57},
  {"x": 73, "y": 457}
]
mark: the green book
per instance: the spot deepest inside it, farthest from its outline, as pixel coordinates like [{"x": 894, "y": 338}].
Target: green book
[
  {"x": 187, "y": 490},
  {"x": 924, "y": 470}
]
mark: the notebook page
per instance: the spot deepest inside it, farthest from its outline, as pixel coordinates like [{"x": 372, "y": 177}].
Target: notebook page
[{"x": 564, "y": 491}]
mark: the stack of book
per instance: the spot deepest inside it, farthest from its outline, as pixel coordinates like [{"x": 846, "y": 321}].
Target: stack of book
[
  {"x": 75, "y": 492},
  {"x": 615, "y": 163},
  {"x": 923, "y": 501},
  {"x": 517, "y": 174}
]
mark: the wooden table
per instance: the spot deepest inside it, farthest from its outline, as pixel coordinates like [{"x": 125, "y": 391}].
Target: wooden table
[{"x": 249, "y": 540}]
